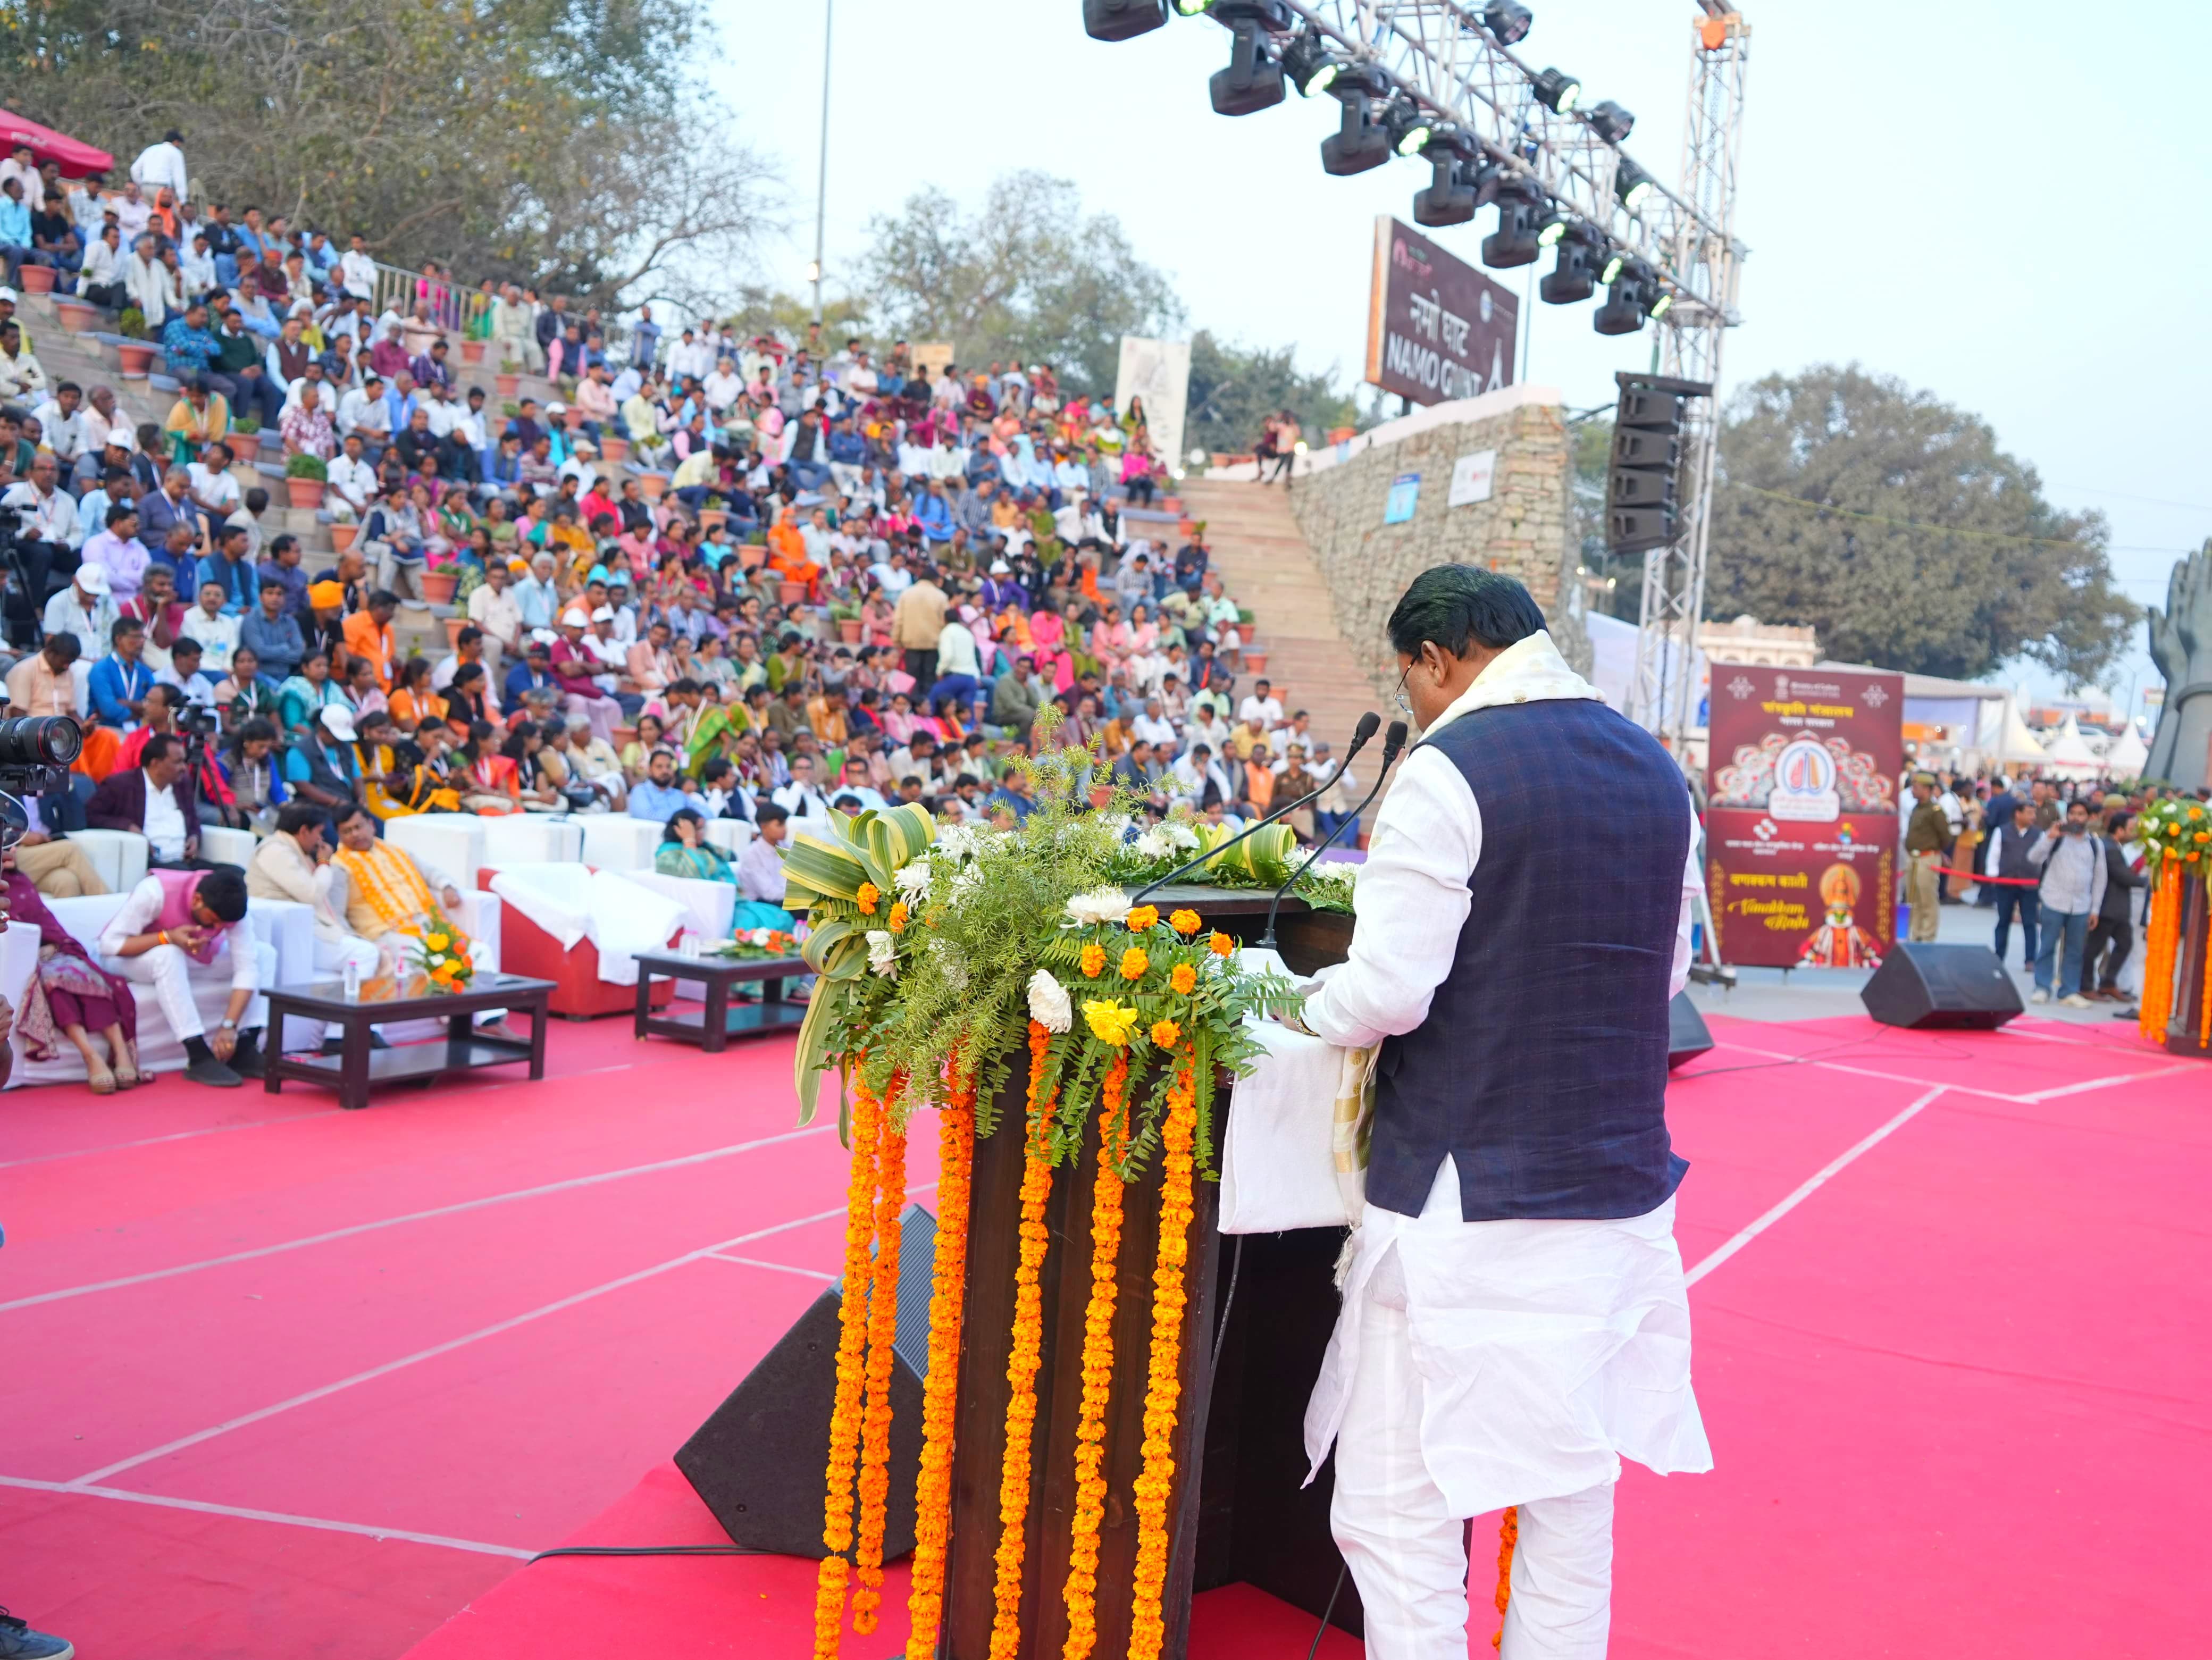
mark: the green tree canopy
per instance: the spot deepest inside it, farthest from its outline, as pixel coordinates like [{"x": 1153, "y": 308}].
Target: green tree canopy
[
  {"x": 1028, "y": 277},
  {"x": 1893, "y": 523},
  {"x": 1233, "y": 388},
  {"x": 548, "y": 140}
]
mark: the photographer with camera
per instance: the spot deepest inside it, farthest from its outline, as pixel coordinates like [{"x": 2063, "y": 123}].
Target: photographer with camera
[{"x": 39, "y": 534}]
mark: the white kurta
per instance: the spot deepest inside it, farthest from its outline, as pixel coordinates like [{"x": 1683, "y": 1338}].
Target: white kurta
[{"x": 1546, "y": 1351}]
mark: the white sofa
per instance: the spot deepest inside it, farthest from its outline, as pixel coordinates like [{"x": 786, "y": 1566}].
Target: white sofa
[
  {"x": 617, "y": 841},
  {"x": 531, "y": 838},
  {"x": 284, "y": 938},
  {"x": 732, "y": 835},
  {"x": 222, "y": 845},
  {"x": 120, "y": 856},
  {"x": 619, "y": 913},
  {"x": 454, "y": 842}
]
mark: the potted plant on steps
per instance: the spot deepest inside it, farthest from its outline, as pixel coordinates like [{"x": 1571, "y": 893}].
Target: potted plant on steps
[
  {"x": 473, "y": 351},
  {"x": 612, "y": 449},
  {"x": 245, "y": 438},
  {"x": 78, "y": 316},
  {"x": 305, "y": 477},
  {"x": 508, "y": 378},
  {"x": 848, "y": 619},
  {"x": 441, "y": 574},
  {"x": 137, "y": 354},
  {"x": 36, "y": 279},
  {"x": 341, "y": 536}
]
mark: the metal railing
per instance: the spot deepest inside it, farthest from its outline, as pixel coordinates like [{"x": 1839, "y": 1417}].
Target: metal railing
[{"x": 397, "y": 288}]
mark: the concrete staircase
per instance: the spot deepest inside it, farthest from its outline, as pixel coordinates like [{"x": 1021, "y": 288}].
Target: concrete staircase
[{"x": 1268, "y": 567}]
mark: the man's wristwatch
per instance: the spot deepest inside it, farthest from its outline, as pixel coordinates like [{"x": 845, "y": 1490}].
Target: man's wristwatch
[{"x": 226, "y": 1025}]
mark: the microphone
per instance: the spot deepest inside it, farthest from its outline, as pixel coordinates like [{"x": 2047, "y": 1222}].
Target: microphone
[
  {"x": 1392, "y": 742},
  {"x": 1360, "y": 736}
]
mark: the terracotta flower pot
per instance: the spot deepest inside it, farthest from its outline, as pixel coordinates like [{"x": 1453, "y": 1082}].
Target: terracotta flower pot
[
  {"x": 624, "y": 736},
  {"x": 77, "y": 316},
  {"x": 654, "y": 484},
  {"x": 571, "y": 418},
  {"x": 614, "y": 449},
  {"x": 341, "y": 536},
  {"x": 137, "y": 358},
  {"x": 710, "y": 517},
  {"x": 244, "y": 445},
  {"x": 304, "y": 492},
  {"x": 473, "y": 351},
  {"x": 438, "y": 586},
  {"x": 1255, "y": 661},
  {"x": 36, "y": 279},
  {"x": 453, "y": 626},
  {"x": 849, "y": 629},
  {"x": 790, "y": 594},
  {"x": 1186, "y": 527},
  {"x": 509, "y": 385},
  {"x": 1171, "y": 504},
  {"x": 752, "y": 555}
]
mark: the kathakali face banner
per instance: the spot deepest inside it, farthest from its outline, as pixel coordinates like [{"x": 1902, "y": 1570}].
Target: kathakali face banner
[{"x": 1800, "y": 831}]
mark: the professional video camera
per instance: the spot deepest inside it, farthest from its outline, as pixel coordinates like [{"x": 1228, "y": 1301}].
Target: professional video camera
[
  {"x": 196, "y": 722},
  {"x": 35, "y": 753}
]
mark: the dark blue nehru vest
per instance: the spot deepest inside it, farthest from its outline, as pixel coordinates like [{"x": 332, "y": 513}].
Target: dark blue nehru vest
[{"x": 1542, "y": 1066}]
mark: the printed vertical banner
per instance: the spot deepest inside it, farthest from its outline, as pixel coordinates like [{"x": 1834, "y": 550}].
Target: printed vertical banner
[
  {"x": 1158, "y": 371},
  {"x": 1404, "y": 499},
  {"x": 1801, "y": 825}
]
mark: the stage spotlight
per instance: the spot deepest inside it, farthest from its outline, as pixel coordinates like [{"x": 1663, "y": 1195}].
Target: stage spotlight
[
  {"x": 1612, "y": 122},
  {"x": 1629, "y": 299},
  {"x": 1357, "y": 145},
  {"x": 1574, "y": 278},
  {"x": 1558, "y": 91},
  {"x": 1455, "y": 189},
  {"x": 1254, "y": 79},
  {"x": 1409, "y": 129},
  {"x": 1521, "y": 206},
  {"x": 1192, "y": 8},
  {"x": 1123, "y": 20},
  {"x": 1664, "y": 304},
  {"x": 1310, "y": 65},
  {"x": 1507, "y": 21},
  {"x": 1554, "y": 227},
  {"x": 1631, "y": 185}
]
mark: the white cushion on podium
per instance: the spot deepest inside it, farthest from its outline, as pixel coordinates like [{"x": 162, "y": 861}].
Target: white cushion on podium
[
  {"x": 222, "y": 845},
  {"x": 1278, "y": 1161},
  {"x": 708, "y": 906}
]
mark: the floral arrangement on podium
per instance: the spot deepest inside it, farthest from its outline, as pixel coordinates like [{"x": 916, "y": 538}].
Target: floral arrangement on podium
[
  {"x": 440, "y": 952},
  {"x": 2176, "y": 837},
  {"x": 754, "y": 944},
  {"x": 943, "y": 954}
]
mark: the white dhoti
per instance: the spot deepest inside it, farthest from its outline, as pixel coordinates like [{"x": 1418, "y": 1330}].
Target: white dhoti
[
  {"x": 174, "y": 976},
  {"x": 1486, "y": 1364}
]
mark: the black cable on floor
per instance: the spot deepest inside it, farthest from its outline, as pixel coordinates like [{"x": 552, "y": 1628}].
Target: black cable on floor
[
  {"x": 1228, "y": 1302},
  {"x": 1342, "y": 1568},
  {"x": 650, "y": 1550}
]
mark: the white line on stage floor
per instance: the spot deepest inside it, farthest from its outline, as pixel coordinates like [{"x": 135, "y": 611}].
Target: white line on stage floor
[
  {"x": 78, "y": 1490},
  {"x": 179, "y": 1135},
  {"x": 447, "y": 1347},
  {"x": 358, "y": 1228},
  {"x": 1809, "y": 1186},
  {"x": 780, "y": 1267}
]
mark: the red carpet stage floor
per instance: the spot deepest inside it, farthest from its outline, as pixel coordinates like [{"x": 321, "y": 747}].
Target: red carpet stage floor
[{"x": 285, "y": 1383}]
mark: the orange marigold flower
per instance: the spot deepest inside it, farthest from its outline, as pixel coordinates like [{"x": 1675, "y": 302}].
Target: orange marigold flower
[
  {"x": 1142, "y": 918},
  {"x": 1134, "y": 964},
  {"x": 1183, "y": 979},
  {"x": 866, "y": 898},
  {"x": 1094, "y": 961},
  {"x": 1166, "y": 1033},
  {"x": 1184, "y": 922},
  {"x": 899, "y": 914},
  {"x": 1220, "y": 945}
]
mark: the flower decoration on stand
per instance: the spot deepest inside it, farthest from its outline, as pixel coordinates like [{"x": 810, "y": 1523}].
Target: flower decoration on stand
[
  {"x": 751, "y": 944},
  {"x": 440, "y": 951},
  {"x": 2176, "y": 839}
]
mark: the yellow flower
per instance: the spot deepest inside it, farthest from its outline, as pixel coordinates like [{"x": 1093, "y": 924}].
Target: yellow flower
[
  {"x": 1111, "y": 1023},
  {"x": 1166, "y": 1033},
  {"x": 1094, "y": 961},
  {"x": 897, "y": 923},
  {"x": 436, "y": 942},
  {"x": 1184, "y": 979},
  {"x": 1134, "y": 964},
  {"x": 1184, "y": 922},
  {"x": 1144, "y": 917},
  {"x": 866, "y": 898},
  {"x": 1220, "y": 945}
]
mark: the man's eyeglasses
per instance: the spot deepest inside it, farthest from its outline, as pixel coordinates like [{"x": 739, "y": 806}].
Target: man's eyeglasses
[{"x": 1405, "y": 705}]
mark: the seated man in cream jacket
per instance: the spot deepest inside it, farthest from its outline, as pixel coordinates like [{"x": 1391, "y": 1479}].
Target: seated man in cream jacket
[{"x": 294, "y": 863}]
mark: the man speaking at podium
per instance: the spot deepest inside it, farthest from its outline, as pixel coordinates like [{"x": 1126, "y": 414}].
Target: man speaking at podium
[{"x": 1515, "y": 1321}]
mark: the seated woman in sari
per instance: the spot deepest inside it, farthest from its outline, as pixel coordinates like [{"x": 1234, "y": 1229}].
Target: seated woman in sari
[
  {"x": 685, "y": 852},
  {"x": 71, "y": 995},
  {"x": 711, "y": 732}
]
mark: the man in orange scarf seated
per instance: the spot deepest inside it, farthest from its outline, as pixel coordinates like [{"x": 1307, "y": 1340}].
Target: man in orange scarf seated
[
  {"x": 385, "y": 887},
  {"x": 786, "y": 553}
]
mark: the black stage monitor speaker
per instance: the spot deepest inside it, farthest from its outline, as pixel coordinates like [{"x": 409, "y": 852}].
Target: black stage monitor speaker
[
  {"x": 757, "y": 1462},
  {"x": 1941, "y": 987},
  {"x": 1687, "y": 1036}
]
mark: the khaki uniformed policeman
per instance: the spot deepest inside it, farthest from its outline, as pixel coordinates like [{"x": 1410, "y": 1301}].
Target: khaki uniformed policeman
[{"x": 1925, "y": 836}]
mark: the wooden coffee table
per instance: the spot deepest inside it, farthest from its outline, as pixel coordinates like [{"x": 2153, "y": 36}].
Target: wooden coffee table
[
  {"x": 721, "y": 1020},
  {"x": 357, "y": 1067}
]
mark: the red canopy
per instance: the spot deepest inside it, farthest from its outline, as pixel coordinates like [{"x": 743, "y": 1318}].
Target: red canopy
[{"x": 74, "y": 159}]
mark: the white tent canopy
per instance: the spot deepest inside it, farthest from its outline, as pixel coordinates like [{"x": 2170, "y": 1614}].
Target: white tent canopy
[
  {"x": 2069, "y": 755},
  {"x": 2005, "y": 737},
  {"x": 2127, "y": 756}
]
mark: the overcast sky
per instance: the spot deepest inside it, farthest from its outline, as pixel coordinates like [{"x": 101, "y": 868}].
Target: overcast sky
[{"x": 1998, "y": 202}]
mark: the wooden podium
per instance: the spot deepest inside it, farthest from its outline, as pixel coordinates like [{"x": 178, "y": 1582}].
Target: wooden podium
[{"x": 1238, "y": 1512}]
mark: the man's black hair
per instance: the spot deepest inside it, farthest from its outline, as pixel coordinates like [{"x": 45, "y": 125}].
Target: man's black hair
[
  {"x": 295, "y": 815},
  {"x": 66, "y": 646},
  {"x": 769, "y": 812},
  {"x": 1460, "y": 606},
  {"x": 124, "y": 625},
  {"x": 160, "y": 744},
  {"x": 222, "y": 891},
  {"x": 347, "y": 812}
]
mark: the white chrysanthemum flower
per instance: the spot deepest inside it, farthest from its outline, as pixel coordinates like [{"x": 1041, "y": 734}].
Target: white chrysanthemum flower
[
  {"x": 967, "y": 882},
  {"x": 883, "y": 954},
  {"x": 1050, "y": 1006},
  {"x": 1107, "y": 904},
  {"x": 1154, "y": 844},
  {"x": 911, "y": 880},
  {"x": 1180, "y": 835}
]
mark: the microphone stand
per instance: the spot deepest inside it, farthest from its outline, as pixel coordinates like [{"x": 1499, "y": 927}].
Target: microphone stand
[
  {"x": 1391, "y": 745},
  {"x": 1358, "y": 742}
]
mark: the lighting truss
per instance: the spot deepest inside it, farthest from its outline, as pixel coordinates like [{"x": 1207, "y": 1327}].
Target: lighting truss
[{"x": 1438, "y": 52}]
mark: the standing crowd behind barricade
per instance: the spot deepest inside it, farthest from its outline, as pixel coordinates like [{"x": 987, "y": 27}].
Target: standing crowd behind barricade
[
  {"x": 802, "y": 579},
  {"x": 2053, "y": 857}
]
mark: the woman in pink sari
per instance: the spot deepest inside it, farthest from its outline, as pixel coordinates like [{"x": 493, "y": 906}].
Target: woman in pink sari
[
  {"x": 898, "y": 720},
  {"x": 1048, "y": 646},
  {"x": 1112, "y": 638}
]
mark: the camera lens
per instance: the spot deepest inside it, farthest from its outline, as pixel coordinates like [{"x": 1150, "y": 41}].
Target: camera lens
[{"x": 39, "y": 740}]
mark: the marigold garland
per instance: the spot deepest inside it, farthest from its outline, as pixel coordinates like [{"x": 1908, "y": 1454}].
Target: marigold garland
[
  {"x": 2161, "y": 947},
  {"x": 875, "y": 1484},
  {"x": 1023, "y": 1358},
  {"x": 1164, "y": 1375},
  {"x": 956, "y": 1154},
  {"x": 1098, "y": 1364},
  {"x": 2205, "y": 1013},
  {"x": 1509, "y": 1535},
  {"x": 846, "y": 1410}
]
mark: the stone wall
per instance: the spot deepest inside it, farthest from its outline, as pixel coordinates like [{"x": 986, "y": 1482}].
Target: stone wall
[{"x": 1524, "y": 529}]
